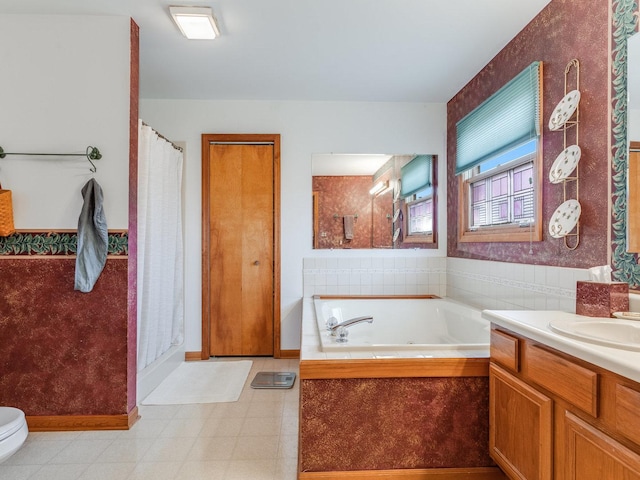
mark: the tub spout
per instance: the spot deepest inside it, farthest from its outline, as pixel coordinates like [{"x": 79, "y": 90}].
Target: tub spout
[{"x": 351, "y": 321}]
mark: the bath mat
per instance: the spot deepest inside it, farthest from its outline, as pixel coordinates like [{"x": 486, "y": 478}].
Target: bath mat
[{"x": 202, "y": 382}]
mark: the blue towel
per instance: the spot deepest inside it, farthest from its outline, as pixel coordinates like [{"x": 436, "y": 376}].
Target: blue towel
[{"x": 93, "y": 239}]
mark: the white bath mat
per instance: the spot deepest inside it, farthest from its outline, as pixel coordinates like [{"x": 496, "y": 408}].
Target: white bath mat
[{"x": 202, "y": 382}]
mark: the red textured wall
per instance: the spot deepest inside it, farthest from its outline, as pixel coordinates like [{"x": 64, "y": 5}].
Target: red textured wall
[
  {"x": 343, "y": 195},
  {"x": 394, "y": 423},
  {"x": 63, "y": 352},
  {"x": 564, "y": 30}
]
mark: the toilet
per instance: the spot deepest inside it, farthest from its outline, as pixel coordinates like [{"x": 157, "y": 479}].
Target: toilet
[{"x": 13, "y": 431}]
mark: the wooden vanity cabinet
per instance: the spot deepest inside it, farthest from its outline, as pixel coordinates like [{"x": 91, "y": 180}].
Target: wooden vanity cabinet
[{"x": 553, "y": 416}]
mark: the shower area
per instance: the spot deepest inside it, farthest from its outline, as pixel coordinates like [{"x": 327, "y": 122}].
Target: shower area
[{"x": 160, "y": 276}]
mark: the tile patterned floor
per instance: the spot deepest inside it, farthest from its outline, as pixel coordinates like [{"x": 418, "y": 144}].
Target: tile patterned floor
[{"x": 254, "y": 438}]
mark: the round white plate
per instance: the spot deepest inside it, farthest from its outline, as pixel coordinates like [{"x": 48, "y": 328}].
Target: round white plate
[
  {"x": 396, "y": 215},
  {"x": 564, "y": 110},
  {"x": 564, "y": 219},
  {"x": 396, "y": 234},
  {"x": 627, "y": 315},
  {"x": 564, "y": 164}
]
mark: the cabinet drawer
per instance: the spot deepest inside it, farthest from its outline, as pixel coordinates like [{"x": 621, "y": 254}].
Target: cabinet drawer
[
  {"x": 627, "y": 405},
  {"x": 575, "y": 384},
  {"x": 505, "y": 350}
]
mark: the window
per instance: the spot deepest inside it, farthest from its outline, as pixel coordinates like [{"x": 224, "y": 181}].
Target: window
[
  {"x": 418, "y": 192},
  {"x": 420, "y": 215},
  {"x": 499, "y": 164}
]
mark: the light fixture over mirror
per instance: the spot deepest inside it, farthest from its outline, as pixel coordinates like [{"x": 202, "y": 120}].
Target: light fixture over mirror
[
  {"x": 359, "y": 202},
  {"x": 195, "y": 23}
]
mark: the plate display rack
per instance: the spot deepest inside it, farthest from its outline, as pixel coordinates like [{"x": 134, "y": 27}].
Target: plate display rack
[{"x": 565, "y": 222}]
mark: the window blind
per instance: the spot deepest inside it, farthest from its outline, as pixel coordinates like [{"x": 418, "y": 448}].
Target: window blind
[
  {"x": 507, "y": 119},
  {"x": 416, "y": 175}
]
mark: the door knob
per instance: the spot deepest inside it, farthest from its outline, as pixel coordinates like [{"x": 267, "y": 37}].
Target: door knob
[{"x": 257, "y": 262}]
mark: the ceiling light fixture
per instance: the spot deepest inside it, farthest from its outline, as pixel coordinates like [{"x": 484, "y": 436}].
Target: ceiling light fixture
[{"x": 195, "y": 23}]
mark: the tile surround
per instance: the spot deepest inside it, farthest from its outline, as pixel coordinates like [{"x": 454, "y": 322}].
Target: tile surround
[{"x": 479, "y": 283}]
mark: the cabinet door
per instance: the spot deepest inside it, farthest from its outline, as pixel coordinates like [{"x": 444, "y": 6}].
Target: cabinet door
[
  {"x": 520, "y": 427},
  {"x": 592, "y": 455}
]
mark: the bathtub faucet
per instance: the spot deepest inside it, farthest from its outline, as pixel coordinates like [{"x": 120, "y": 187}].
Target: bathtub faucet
[{"x": 351, "y": 321}]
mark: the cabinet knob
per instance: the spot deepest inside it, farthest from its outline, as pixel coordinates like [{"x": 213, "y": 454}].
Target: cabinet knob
[{"x": 257, "y": 262}]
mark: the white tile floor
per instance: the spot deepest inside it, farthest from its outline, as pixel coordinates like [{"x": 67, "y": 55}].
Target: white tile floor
[{"x": 255, "y": 438}]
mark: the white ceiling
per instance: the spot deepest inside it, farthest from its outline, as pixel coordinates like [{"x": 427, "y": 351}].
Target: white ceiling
[{"x": 325, "y": 50}]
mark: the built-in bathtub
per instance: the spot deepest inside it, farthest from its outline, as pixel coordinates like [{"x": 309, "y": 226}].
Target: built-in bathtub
[
  {"x": 401, "y": 324},
  {"x": 413, "y": 404}
]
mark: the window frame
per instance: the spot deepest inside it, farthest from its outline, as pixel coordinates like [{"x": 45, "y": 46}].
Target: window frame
[
  {"x": 419, "y": 237},
  {"x": 506, "y": 232}
]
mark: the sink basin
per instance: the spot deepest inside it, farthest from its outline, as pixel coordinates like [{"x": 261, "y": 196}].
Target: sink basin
[{"x": 612, "y": 332}]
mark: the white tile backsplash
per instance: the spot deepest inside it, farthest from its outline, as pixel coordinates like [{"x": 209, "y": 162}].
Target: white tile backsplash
[{"x": 480, "y": 283}]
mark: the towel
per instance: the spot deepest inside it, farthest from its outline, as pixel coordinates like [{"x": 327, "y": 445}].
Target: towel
[
  {"x": 348, "y": 227},
  {"x": 93, "y": 239}
]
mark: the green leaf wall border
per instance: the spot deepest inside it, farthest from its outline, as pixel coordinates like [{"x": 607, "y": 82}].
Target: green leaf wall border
[
  {"x": 625, "y": 23},
  {"x": 53, "y": 243}
]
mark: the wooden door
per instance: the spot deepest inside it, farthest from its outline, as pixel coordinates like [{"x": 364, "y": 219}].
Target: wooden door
[
  {"x": 520, "y": 428},
  {"x": 240, "y": 224}
]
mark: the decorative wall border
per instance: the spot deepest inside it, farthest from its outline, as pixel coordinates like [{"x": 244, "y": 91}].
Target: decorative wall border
[
  {"x": 624, "y": 24},
  {"x": 56, "y": 243}
]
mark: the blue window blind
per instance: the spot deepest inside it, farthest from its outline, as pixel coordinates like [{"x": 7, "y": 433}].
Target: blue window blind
[
  {"x": 416, "y": 175},
  {"x": 507, "y": 119}
]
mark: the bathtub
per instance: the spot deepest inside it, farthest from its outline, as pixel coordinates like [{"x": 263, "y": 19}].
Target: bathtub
[
  {"x": 401, "y": 324},
  {"x": 414, "y": 385}
]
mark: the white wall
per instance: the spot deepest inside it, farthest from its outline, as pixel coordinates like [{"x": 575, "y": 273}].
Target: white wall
[
  {"x": 64, "y": 88},
  {"x": 306, "y": 128}
]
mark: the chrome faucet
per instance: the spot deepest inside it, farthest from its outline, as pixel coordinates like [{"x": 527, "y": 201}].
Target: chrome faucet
[{"x": 347, "y": 323}]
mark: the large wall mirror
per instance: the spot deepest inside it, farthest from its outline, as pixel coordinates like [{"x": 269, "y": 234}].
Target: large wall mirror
[{"x": 374, "y": 201}]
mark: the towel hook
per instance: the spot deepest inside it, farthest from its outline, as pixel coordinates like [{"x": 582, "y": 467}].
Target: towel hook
[{"x": 93, "y": 154}]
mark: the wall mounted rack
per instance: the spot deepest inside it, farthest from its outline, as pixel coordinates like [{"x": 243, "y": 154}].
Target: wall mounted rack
[{"x": 92, "y": 153}]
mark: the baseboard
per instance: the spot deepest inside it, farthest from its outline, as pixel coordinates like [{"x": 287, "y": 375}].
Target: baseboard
[
  {"x": 192, "y": 356},
  {"x": 58, "y": 423},
  {"x": 291, "y": 354},
  {"x": 478, "y": 473}
]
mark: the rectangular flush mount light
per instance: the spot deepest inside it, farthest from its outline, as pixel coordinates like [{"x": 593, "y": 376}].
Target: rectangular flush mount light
[{"x": 195, "y": 23}]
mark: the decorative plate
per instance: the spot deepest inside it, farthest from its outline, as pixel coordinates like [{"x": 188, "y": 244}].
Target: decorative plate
[
  {"x": 396, "y": 215},
  {"x": 396, "y": 234},
  {"x": 564, "y": 164},
  {"x": 627, "y": 315},
  {"x": 564, "y": 219},
  {"x": 564, "y": 110},
  {"x": 396, "y": 195}
]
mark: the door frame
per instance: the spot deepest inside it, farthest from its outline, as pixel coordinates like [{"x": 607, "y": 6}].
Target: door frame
[{"x": 248, "y": 139}]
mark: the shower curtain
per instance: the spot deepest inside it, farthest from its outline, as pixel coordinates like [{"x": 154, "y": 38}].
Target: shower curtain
[{"x": 160, "y": 250}]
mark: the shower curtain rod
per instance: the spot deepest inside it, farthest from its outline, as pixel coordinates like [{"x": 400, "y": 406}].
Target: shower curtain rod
[
  {"x": 92, "y": 153},
  {"x": 163, "y": 137}
]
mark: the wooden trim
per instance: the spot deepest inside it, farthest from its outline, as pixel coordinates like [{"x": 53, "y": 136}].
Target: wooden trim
[
  {"x": 56, "y": 423},
  {"x": 292, "y": 354},
  {"x": 394, "y": 368},
  {"x": 477, "y": 473},
  {"x": 192, "y": 356},
  {"x": 206, "y": 281}
]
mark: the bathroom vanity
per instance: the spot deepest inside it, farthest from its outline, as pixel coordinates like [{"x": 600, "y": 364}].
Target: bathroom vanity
[{"x": 561, "y": 408}]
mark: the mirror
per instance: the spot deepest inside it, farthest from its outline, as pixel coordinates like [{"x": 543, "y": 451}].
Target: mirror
[
  {"x": 633, "y": 134},
  {"x": 362, "y": 201}
]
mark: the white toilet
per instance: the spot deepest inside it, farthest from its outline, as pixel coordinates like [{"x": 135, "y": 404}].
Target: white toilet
[{"x": 13, "y": 431}]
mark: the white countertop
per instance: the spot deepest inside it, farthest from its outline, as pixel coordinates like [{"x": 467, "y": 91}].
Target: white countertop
[{"x": 534, "y": 324}]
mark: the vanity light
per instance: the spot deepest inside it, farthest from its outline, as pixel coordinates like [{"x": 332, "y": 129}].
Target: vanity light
[
  {"x": 195, "y": 23},
  {"x": 379, "y": 188}
]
